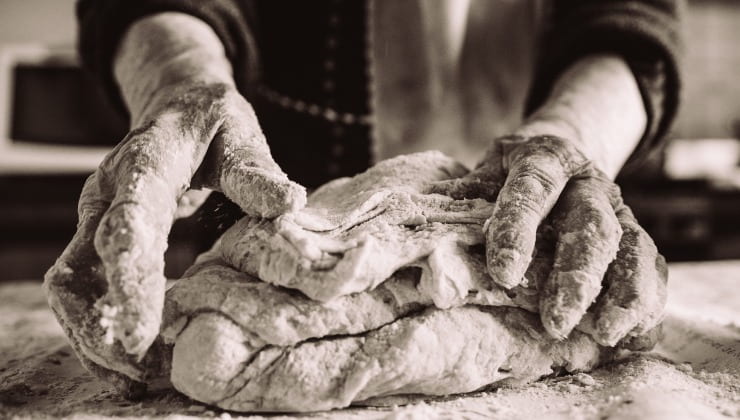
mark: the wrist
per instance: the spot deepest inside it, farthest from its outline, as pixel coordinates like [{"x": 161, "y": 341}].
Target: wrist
[
  {"x": 595, "y": 104},
  {"x": 164, "y": 51}
]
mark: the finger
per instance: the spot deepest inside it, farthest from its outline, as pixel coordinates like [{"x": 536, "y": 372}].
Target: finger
[
  {"x": 482, "y": 183},
  {"x": 485, "y": 181},
  {"x": 588, "y": 235},
  {"x": 149, "y": 171},
  {"x": 467, "y": 188},
  {"x": 636, "y": 282},
  {"x": 249, "y": 176},
  {"x": 538, "y": 171},
  {"x": 644, "y": 342},
  {"x": 73, "y": 285}
]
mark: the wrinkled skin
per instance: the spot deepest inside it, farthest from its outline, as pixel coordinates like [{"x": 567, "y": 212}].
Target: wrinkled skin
[
  {"x": 604, "y": 261},
  {"x": 107, "y": 288}
]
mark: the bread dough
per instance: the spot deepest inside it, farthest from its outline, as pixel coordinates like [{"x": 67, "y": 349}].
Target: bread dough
[
  {"x": 431, "y": 351},
  {"x": 245, "y": 345},
  {"x": 378, "y": 287},
  {"x": 356, "y": 232}
]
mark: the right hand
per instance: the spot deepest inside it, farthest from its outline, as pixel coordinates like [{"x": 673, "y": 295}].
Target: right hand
[
  {"x": 606, "y": 276},
  {"x": 109, "y": 282}
]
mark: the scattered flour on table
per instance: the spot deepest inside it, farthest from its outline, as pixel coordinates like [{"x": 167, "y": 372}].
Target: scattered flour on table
[{"x": 39, "y": 376}]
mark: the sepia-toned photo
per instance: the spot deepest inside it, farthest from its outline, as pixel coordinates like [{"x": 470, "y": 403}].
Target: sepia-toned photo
[{"x": 370, "y": 209}]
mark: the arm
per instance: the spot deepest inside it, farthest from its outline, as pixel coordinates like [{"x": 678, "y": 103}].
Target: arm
[
  {"x": 596, "y": 104},
  {"x": 645, "y": 34},
  {"x": 103, "y": 24},
  {"x": 163, "y": 51}
]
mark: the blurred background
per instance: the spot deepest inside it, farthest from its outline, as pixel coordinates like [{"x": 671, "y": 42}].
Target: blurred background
[{"x": 55, "y": 128}]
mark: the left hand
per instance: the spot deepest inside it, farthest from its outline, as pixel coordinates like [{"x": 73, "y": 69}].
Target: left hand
[{"x": 599, "y": 243}]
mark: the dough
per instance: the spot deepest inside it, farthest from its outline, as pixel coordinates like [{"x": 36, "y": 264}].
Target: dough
[
  {"x": 432, "y": 352},
  {"x": 378, "y": 287},
  {"x": 356, "y": 232}
]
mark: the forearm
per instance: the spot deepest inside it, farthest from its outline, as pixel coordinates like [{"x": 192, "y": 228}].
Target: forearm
[
  {"x": 595, "y": 103},
  {"x": 164, "y": 50}
]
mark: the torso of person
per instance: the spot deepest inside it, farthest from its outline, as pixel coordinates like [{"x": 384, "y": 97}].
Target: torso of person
[{"x": 345, "y": 83}]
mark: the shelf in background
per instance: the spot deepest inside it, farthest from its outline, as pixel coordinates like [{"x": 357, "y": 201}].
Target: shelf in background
[{"x": 35, "y": 159}]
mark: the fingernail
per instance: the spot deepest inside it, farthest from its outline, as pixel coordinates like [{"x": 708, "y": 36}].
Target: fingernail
[
  {"x": 558, "y": 325},
  {"x": 613, "y": 325},
  {"x": 559, "y": 319},
  {"x": 504, "y": 267},
  {"x": 566, "y": 298}
]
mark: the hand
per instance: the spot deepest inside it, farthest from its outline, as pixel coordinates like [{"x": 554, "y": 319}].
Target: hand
[
  {"x": 602, "y": 255},
  {"x": 109, "y": 281}
]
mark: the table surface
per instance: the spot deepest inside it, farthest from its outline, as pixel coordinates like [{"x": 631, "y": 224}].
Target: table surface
[{"x": 694, "y": 372}]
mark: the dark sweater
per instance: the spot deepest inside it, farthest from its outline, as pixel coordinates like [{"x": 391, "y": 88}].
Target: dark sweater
[{"x": 269, "y": 40}]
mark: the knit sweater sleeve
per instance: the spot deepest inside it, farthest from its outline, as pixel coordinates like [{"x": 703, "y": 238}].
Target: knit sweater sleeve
[
  {"x": 102, "y": 24},
  {"x": 645, "y": 33}
]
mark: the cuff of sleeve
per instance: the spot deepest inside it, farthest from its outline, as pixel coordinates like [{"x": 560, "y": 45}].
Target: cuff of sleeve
[
  {"x": 102, "y": 24},
  {"x": 648, "y": 40}
]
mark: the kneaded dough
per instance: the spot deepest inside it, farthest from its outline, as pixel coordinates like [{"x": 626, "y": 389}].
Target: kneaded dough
[
  {"x": 378, "y": 287},
  {"x": 355, "y": 232},
  {"x": 435, "y": 353}
]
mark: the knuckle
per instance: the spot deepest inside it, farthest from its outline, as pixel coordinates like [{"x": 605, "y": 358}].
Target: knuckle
[
  {"x": 126, "y": 234},
  {"x": 556, "y": 152},
  {"x": 141, "y": 152},
  {"x": 528, "y": 190},
  {"x": 600, "y": 192},
  {"x": 137, "y": 158},
  {"x": 544, "y": 178}
]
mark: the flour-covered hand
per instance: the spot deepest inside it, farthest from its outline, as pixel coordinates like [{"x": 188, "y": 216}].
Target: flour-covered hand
[
  {"x": 191, "y": 128},
  {"x": 599, "y": 245},
  {"x": 607, "y": 276}
]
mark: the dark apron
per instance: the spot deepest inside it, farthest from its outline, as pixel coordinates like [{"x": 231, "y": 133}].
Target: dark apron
[{"x": 347, "y": 83}]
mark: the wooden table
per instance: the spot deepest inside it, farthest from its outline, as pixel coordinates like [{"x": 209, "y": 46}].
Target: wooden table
[{"x": 695, "y": 372}]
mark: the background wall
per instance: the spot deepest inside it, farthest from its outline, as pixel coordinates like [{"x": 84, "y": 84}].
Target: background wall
[
  {"x": 49, "y": 21},
  {"x": 711, "y": 101},
  {"x": 711, "y": 106},
  {"x": 690, "y": 219}
]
